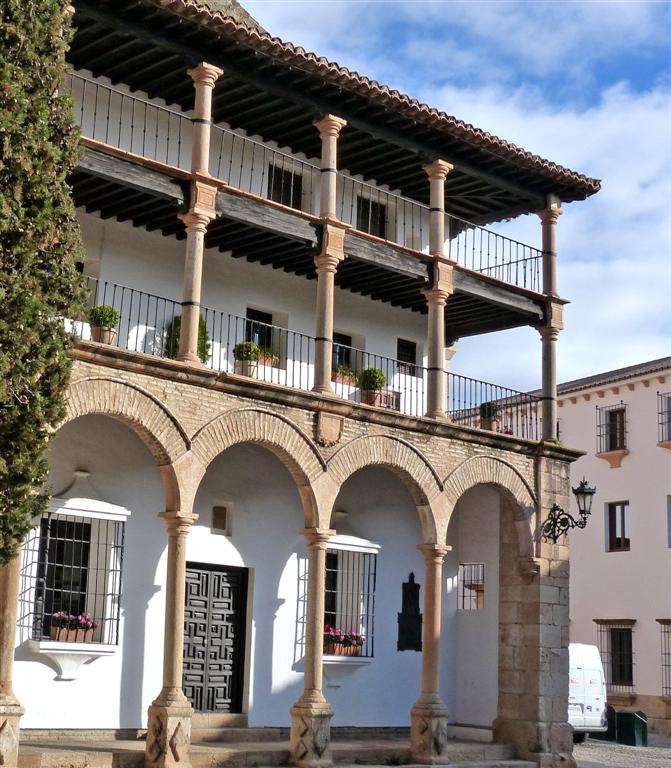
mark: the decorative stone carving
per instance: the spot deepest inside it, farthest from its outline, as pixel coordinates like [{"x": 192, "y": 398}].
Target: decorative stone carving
[
  {"x": 428, "y": 735},
  {"x": 10, "y": 715},
  {"x": 311, "y": 736},
  {"x": 168, "y": 736},
  {"x": 329, "y": 429}
]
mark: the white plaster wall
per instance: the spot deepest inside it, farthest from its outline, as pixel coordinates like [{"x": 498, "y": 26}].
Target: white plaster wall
[
  {"x": 470, "y": 677},
  {"x": 622, "y": 585}
]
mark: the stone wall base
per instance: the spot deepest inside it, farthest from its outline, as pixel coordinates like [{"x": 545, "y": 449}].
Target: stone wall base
[{"x": 549, "y": 745}]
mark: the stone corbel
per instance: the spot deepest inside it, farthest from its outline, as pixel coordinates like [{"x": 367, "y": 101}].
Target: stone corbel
[
  {"x": 332, "y": 247},
  {"x": 203, "y": 200}
]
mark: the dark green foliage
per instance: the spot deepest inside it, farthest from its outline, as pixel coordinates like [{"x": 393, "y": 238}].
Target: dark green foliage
[
  {"x": 372, "y": 379},
  {"x": 489, "y": 410},
  {"x": 104, "y": 316},
  {"x": 246, "y": 350},
  {"x": 172, "y": 332},
  {"x": 39, "y": 246}
]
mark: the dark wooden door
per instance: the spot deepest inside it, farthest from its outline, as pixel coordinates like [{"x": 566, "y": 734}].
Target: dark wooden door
[{"x": 214, "y": 637}]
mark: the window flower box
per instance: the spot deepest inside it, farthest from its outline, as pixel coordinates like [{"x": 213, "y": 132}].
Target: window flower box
[
  {"x": 340, "y": 649},
  {"x": 65, "y": 635}
]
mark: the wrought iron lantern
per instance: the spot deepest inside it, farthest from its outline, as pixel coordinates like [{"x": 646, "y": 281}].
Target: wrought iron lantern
[{"x": 558, "y": 521}]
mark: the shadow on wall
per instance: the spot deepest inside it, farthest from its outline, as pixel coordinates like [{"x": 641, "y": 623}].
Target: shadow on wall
[{"x": 123, "y": 472}]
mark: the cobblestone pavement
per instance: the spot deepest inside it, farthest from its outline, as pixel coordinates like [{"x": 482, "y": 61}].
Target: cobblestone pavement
[{"x": 603, "y": 754}]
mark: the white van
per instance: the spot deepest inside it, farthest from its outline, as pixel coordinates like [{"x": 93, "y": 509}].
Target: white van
[{"x": 587, "y": 691}]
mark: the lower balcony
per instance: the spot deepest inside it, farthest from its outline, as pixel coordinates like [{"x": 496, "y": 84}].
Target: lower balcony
[{"x": 230, "y": 344}]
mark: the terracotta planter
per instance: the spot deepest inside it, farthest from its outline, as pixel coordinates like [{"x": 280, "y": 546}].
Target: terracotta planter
[
  {"x": 489, "y": 423},
  {"x": 269, "y": 361},
  {"x": 338, "y": 649},
  {"x": 65, "y": 635},
  {"x": 342, "y": 378},
  {"x": 371, "y": 397},
  {"x": 247, "y": 367},
  {"x": 104, "y": 335}
]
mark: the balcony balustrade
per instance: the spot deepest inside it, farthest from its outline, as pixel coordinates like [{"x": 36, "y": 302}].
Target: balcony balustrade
[
  {"x": 286, "y": 358},
  {"x": 140, "y": 127}
]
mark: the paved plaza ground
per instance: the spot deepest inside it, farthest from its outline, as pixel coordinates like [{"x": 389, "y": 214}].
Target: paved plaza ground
[{"x": 603, "y": 754}]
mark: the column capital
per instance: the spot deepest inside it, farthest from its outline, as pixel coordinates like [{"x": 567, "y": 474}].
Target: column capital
[
  {"x": 443, "y": 284},
  {"x": 551, "y": 213},
  {"x": 333, "y": 247},
  {"x": 205, "y": 74},
  {"x": 438, "y": 169},
  {"x": 548, "y": 332},
  {"x": 434, "y": 552},
  {"x": 330, "y": 126},
  {"x": 317, "y": 537},
  {"x": 195, "y": 221},
  {"x": 554, "y": 320},
  {"x": 178, "y": 523}
]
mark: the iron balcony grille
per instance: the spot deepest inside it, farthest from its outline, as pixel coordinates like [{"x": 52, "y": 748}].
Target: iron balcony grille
[
  {"x": 664, "y": 417},
  {"x": 665, "y": 627},
  {"x": 349, "y": 597},
  {"x": 611, "y": 428},
  {"x": 71, "y": 567},
  {"x": 615, "y": 642},
  {"x": 113, "y": 117},
  {"x": 471, "y": 592}
]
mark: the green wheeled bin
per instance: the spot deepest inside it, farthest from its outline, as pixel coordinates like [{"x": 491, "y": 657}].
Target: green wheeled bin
[{"x": 632, "y": 729}]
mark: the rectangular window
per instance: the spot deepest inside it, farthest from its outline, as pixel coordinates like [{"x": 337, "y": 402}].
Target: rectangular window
[
  {"x": 72, "y": 567},
  {"x": 258, "y": 328},
  {"x": 618, "y": 526},
  {"x": 349, "y": 599},
  {"x": 665, "y": 626},
  {"x": 285, "y": 185},
  {"x": 611, "y": 428},
  {"x": 664, "y": 417},
  {"x": 371, "y": 216},
  {"x": 342, "y": 350},
  {"x": 471, "y": 579},
  {"x": 406, "y": 354},
  {"x": 615, "y": 641}
]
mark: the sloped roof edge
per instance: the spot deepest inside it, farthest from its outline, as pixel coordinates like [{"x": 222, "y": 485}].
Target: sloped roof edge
[
  {"x": 619, "y": 374},
  {"x": 376, "y": 92}
]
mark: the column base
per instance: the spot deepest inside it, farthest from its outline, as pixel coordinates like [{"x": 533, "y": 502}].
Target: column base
[
  {"x": 428, "y": 733},
  {"x": 10, "y": 715},
  {"x": 549, "y": 745},
  {"x": 439, "y": 415},
  {"x": 190, "y": 358},
  {"x": 323, "y": 389},
  {"x": 311, "y": 735},
  {"x": 168, "y": 735}
]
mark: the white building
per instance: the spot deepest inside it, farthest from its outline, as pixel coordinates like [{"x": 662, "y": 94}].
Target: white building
[
  {"x": 294, "y": 495},
  {"x": 621, "y": 562}
]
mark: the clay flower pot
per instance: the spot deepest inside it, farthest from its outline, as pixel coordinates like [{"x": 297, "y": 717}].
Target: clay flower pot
[
  {"x": 104, "y": 335},
  {"x": 247, "y": 367},
  {"x": 65, "y": 635},
  {"x": 338, "y": 649}
]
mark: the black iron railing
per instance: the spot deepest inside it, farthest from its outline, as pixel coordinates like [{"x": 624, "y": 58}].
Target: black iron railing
[
  {"x": 135, "y": 125},
  {"x": 664, "y": 416}
]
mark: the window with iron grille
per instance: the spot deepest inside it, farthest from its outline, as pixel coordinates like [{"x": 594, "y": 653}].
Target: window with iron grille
[
  {"x": 342, "y": 350},
  {"x": 664, "y": 417},
  {"x": 618, "y": 526},
  {"x": 471, "y": 579},
  {"x": 406, "y": 354},
  {"x": 611, "y": 427},
  {"x": 665, "y": 626},
  {"x": 71, "y": 577},
  {"x": 285, "y": 185},
  {"x": 615, "y": 641},
  {"x": 371, "y": 216},
  {"x": 349, "y": 599},
  {"x": 258, "y": 329}
]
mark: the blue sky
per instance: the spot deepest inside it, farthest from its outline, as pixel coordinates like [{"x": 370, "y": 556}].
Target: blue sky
[{"x": 586, "y": 84}]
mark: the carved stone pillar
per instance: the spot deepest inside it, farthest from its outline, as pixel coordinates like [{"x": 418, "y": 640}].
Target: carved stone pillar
[
  {"x": 169, "y": 722},
  {"x": 204, "y": 77},
  {"x": 329, "y": 128},
  {"x": 332, "y": 253},
  {"x": 436, "y": 299},
  {"x": 428, "y": 731},
  {"x": 549, "y": 217},
  {"x": 311, "y": 714},
  {"x": 437, "y": 172},
  {"x": 10, "y": 708}
]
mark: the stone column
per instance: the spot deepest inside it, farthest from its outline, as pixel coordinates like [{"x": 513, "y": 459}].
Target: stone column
[
  {"x": 10, "y": 708},
  {"x": 311, "y": 714},
  {"x": 201, "y": 210},
  {"x": 437, "y": 172},
  {"x": 550, "y": 331},
  {"x": 329, "y": 128},
  {"x": 332, "y": 253},
  {"x": 436, "y": 299},
  {"x": 428, "y": 731},
  {"x": 169, "y": 721}
]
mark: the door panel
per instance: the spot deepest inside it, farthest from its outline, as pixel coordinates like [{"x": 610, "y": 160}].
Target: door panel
[{"x": 214, "y": 637}]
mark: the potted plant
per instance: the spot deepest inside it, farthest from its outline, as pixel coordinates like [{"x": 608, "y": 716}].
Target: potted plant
[
  {"x": 172, "y": 331},
  {"x": 68, "y": 628},
  {"x": 266, "y": 357},
  {"x": 489, "y": 412},
  {"x": 344, "y": 374},
  {"x": 371, "y": 381},
  {"x": 104, "y": 320},
  {"x": 339, "y": 643},
  {"x": 246, "y": 354}
]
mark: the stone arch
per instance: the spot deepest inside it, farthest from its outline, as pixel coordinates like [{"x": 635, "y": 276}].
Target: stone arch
[
  {"x": 274, "y": 432},
  {"x": 489, "y": 470},
  {"x": 408, "y": 463},
  {"x": 142, "y": 412}
]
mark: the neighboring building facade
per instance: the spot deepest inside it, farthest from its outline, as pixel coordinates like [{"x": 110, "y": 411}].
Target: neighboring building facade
[
  {"x": 310, "y": 456},
  {"x": 621, "y": 562}
]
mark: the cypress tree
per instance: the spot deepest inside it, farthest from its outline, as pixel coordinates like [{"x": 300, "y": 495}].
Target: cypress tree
[{"x": 39, "y": 247}]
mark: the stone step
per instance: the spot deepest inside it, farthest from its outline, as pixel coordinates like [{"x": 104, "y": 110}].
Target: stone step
[{"x": 238, "y": 735}]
